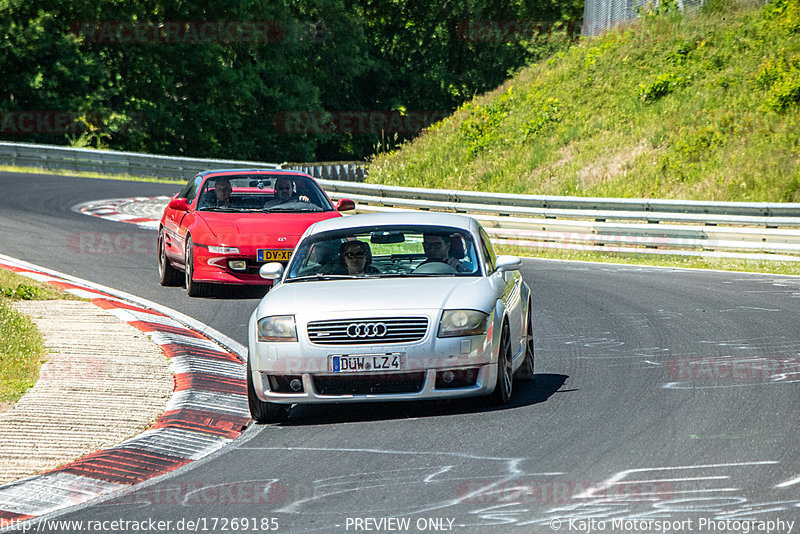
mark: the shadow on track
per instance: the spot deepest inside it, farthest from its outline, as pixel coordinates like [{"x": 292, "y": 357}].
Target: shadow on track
[
  {"x": 231, "y": 292},
  {"x": 525, "y": 394}
]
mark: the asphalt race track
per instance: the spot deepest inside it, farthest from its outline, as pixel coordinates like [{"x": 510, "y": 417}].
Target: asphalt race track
[{"x": 661, "y": 395}]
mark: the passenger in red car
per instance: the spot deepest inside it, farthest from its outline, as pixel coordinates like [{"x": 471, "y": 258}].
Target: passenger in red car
[{"x": 221, "y": 196}]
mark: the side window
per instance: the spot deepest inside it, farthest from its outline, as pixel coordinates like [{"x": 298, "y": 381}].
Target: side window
[
  {"x": 189, "y": 191},
  {"x": 305, "y": 187},
  {"x": 487, "y": 251}
]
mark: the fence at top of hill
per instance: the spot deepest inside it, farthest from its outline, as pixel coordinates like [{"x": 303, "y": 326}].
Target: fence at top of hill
[{"x": 599, "y": 16}]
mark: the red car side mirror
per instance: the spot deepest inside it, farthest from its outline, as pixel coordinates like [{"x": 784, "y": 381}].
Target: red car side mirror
[
  {"x": 179, "y": 204},
  {"x": 345, "y": 204}
]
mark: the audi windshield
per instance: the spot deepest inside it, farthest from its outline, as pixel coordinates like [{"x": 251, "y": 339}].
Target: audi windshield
[{"x": 385, "y": 251}]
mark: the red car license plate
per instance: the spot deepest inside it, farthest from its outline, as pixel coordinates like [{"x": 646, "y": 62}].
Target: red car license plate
[{"x": 264, "y": 254}]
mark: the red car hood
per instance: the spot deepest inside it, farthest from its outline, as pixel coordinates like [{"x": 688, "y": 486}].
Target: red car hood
[{"x": 258, "y": 228}]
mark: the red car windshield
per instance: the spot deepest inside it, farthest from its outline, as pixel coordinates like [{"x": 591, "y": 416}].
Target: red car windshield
[{"x": 263, "y": 193}]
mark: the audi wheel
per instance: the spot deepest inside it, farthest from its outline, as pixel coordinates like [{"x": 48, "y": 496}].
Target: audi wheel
[{"x": 505, "y": 380}]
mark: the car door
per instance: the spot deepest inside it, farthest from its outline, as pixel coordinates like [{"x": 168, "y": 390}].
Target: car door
[
  {"x": 177, "y": 222},
  {"x": 508, "y": 285}
]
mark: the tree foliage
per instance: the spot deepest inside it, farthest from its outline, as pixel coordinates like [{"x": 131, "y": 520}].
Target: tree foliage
[{"x": 267, "y": 80}]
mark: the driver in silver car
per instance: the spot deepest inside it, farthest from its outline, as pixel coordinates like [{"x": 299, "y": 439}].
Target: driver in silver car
[{"x": 437, "y": 248}]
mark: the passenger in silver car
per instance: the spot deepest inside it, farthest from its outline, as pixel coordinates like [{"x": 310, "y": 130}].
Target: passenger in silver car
[{"x": 356, "y": 258}]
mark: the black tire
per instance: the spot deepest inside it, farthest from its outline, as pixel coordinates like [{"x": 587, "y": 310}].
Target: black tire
[
  {"x": 167, "y": 274},
  {"x": 193, "y": 289},
  {"x": 505, "y": 379},
  {"x": 260, "y": 411},
  {"x": 525, "y": 371}
]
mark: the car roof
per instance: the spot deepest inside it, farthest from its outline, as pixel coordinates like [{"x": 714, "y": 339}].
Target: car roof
[
  {"x": 253, "y": 171},
  {"x": 421, "y": 218}
]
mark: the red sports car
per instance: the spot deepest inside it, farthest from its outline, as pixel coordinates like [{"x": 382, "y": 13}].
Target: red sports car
[{"x": 223, "y": 225}]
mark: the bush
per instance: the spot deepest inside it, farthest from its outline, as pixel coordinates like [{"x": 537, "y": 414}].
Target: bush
[
  {"x": 544, "y": 115},
  {"x": 24, "y": 292},
  {"x": 781, "y": 79},
  {"x": 663, "y": 85}
]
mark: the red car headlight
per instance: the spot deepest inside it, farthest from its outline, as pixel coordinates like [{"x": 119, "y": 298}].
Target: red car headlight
[{"x": 223, "y": 250}]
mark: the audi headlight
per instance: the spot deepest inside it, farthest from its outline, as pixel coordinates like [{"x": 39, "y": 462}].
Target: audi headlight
[
  {"x": 223, "y": 250},
  {"x": 462, "y": 323},
  {"x": 277, "y": 328}
]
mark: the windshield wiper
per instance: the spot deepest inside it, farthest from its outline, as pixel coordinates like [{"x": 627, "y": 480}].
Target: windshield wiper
[
  {"x": 428, "y": 275},
  {"x": 321, "y": 276},
  {"x": 288, "y": 209}
]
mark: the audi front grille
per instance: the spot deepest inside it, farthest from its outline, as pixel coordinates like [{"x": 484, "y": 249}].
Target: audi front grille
[
  {"x": 369, "y": 384},
  {"x": 368, "y": 331}
]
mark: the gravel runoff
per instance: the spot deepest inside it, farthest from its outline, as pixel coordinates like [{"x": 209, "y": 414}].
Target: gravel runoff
[{"x": 103, "y": 382}]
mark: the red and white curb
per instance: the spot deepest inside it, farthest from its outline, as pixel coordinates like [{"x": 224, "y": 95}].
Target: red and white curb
[
  {"x": 144, "y": 212},
  {"x": 207, "y": 410}
]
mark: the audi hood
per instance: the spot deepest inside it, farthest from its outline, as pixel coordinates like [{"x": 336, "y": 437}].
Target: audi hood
[{"x": 312, "y": 300}]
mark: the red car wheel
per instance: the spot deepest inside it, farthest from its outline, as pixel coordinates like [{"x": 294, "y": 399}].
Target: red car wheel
[{"x": 193, "y": 289}]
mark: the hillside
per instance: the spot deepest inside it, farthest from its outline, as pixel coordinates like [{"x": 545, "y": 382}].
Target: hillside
[{"x": 698, "y": 106}]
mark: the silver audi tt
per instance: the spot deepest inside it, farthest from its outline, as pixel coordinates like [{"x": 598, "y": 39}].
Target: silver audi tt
[{"x": 386, "y": 307}]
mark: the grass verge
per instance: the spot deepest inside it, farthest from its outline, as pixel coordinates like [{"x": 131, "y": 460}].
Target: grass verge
[
  {"x": 22, "y": 350},
  {"x": 702, "y": 106},
  {"x": 685, "y": 262},
  {"x": 78, "y": 174}
]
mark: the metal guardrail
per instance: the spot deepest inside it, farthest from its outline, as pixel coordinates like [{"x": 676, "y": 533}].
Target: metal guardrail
[
  {"x": 112, "y": 162},
  {"x": 343, "y": 170},
  {"x": 652, "y": 210},
  {"x": 770, "y": 229},
  {"x": 739, "y": 241}
]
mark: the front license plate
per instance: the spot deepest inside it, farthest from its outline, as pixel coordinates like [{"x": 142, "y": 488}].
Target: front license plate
[
  {"x": 273, "y": 255},
  {"x": 366, "y": 363}
]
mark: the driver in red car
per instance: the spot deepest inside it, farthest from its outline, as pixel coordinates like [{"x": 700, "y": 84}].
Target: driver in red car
[{"x": 284, "y": 192}]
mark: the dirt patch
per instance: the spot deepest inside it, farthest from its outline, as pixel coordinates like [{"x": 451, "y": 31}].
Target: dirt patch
[
  {"x": 5, "y": 406},
  {"x": 611, "y": 165},
  {"x": 548, "y": 179}
]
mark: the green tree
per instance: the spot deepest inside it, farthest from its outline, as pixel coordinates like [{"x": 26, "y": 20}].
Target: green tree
[{"x": 219, "y": 79}]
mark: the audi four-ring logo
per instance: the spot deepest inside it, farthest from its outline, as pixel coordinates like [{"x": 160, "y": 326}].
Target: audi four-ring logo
[{"x": 366, "y": 330}]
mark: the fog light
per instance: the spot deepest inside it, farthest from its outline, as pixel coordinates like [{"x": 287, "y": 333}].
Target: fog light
[
  {"x": 237, "y": 265},
  {"x": 457, "y": 378},
  {"x": 296, "y": 384}
]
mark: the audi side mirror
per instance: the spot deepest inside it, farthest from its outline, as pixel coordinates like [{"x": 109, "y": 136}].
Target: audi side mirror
[
  {"x": 507, "y": 263},
  {"x": 271, "y": 271}
]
